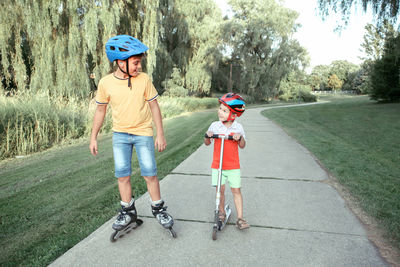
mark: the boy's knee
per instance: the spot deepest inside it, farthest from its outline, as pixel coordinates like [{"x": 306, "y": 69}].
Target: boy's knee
[
  {"x": 124, "y": 180},
  {"x": 236, "y": 191},
  {"x": 150, "y": 178}
]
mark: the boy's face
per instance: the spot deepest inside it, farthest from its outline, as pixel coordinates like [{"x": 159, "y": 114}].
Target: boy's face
[
  {"x": 135, "y": 65},
  {"x": 223, "y": 113}
]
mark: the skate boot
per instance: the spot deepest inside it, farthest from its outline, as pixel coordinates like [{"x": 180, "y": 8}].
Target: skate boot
[
  {"x": 126, "y": 221},
  {"x": 166, "y": 220}
]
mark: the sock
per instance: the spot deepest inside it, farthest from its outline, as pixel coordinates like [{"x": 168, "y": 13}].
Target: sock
[
  {"x": 126, "y": 204},
  {"x": 154, "y": 203}
]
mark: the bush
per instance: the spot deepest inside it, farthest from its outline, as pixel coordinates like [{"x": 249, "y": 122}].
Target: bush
[
  {"x": 173, "y": 86},
  {"x": 34, "y": 123},
  {"x": 385, "y": 83},
  {"x": 173, "y": 106},
  {"x": 30, "y": 124},
  {"x": 292, "y": 91}
]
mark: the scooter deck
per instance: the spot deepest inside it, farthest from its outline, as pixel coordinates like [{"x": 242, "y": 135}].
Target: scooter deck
[{"x": 228, "y": 212}]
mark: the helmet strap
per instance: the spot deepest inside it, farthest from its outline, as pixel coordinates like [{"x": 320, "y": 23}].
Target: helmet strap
[
  {"x": 231, "y": 116},
  {"x": 126, "y": 72}
]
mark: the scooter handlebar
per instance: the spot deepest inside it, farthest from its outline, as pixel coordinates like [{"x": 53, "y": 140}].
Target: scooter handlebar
[{"x": 222, "y": 136}]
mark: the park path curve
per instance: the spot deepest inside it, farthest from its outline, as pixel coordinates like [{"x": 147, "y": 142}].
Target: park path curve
[{"x": 297, "y": 218}]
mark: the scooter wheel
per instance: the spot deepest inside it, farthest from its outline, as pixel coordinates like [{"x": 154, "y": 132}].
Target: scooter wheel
[{"x": 214, "y": 233}]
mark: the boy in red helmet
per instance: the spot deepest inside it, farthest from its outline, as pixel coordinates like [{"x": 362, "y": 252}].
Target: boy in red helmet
[{"x": 232, "y": 106}]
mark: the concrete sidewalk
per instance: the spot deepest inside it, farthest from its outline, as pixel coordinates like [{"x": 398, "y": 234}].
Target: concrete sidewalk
[{"x": 296, "y": 218}]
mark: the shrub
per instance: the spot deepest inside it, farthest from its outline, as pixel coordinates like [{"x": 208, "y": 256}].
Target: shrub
[
  {"x": 34, "y": 123},
  {"x": 385, "y": 82},
  {"x": 30, "y": 124}
]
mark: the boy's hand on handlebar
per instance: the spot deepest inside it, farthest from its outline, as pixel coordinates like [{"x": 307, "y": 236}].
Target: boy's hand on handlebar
[
  {"x": 237, "y": 137},
  {"x": 209, "y": 134}
]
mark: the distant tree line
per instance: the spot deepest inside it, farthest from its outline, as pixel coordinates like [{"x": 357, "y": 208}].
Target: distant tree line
[{"x": 379, "y": 74}]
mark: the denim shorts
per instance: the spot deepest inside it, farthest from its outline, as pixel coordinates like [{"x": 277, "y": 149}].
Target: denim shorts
[{"x": 122, "y": 147}]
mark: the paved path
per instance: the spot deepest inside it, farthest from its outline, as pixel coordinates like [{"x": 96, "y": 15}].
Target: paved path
[{"x": 296, "y": 218}]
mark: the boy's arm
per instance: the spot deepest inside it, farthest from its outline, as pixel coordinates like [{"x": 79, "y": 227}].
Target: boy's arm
[
  {"x": 160, "y": 144},
  {"x": 207, "y": 141},
  {"x": 242, "y": 142},
  {"x": 97, "y": 123},
  {"x": 240, "y": 139}
]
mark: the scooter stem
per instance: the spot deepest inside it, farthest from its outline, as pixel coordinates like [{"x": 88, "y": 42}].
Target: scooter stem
[{"x": 221, "y": 155}]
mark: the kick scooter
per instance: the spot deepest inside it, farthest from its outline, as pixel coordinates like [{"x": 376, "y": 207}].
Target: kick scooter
[{"x": 218, "y": 224}]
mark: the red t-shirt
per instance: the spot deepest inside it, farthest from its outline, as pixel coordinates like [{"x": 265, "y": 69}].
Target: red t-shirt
[{"x": 231, "y": 152}]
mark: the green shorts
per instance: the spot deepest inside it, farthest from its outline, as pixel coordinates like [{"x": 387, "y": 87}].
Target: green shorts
[{"x": 233, "y": 177}]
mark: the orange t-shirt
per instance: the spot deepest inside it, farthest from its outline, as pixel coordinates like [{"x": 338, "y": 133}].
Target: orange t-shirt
[
  {"x": 230, "y": 159},
  {"x": 130, "y": 109}
]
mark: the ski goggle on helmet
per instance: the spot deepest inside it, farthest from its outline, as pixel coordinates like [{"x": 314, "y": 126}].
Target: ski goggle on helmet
[
  {"x": 123, "y": 47},
  {"x": 235, "y": 103}
]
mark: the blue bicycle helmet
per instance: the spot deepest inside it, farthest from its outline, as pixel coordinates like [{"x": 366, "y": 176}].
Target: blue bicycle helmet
[{"x": 123, "y": 47}]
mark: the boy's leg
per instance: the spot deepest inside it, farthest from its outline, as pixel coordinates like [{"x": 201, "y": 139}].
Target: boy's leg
[
  {"x": 157, "y": 204},
  {"x": 238, "y": 199},
  {"x": 122, "y": 150},
  {"x": 214, "y": 182},
  {"x": 144, "y": 146},
  {"x": 235, "y": 184},
  {"x": 153, "y": 187},
  {"x": 145, "y": 151},
  {"x": 125, "y": 188}
]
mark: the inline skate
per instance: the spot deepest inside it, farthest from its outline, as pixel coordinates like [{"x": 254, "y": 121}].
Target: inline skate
[
  {"x": 126, "y": 221},
  {"x": 166, "y": 220}
]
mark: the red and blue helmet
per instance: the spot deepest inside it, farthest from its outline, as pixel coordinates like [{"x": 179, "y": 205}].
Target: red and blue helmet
[
  {"x": 234, "y": 102},
  {"x": 123, "y": 47}
]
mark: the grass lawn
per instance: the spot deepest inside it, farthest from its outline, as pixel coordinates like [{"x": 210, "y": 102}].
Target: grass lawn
[
  {"x": 358, "y": 141},
  {"x": 50, "y": 201}
]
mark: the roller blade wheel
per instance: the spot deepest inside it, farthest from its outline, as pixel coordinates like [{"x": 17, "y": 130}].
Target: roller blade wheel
[
  {"x": 117, "y": 234},
  {"x": 214, "y": 233},
  {"x": 172, "y": 232}
]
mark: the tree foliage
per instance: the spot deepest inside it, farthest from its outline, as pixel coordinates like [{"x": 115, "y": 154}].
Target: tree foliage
[
  {"x": 295, "y": 87},
  {"x": 54, "y": 45},
  {"x": 340, "y": 74},
  {"x": 57, "y": 46},
  {"x": 189, "y": 40},
  {"x": 385, "y": 82},
  {"x": 383, "y": 10},
  {"x": 260, "y": 35},
  {"x": 374, "y": 40},
  {"x": 334, "y": 82}
]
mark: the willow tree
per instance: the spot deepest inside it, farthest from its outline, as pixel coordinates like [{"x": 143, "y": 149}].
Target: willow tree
[
  {"x": 54, "y": 45},
  {"x": 189, "y": 43},
  {"x": 204, "y": 21},
  {"x": 383, "y": 10},
  {"x": 260, "y": 34}
]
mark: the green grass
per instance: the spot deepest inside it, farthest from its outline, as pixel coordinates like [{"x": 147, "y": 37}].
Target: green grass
[
  {"x": 357, "y": 140},
  {"x": 51, "y": 200}
]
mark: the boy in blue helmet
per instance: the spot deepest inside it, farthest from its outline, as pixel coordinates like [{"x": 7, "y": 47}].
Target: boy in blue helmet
[
  {"x": 232, "y": 106},
  {"x": 133, "y": 100}
]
